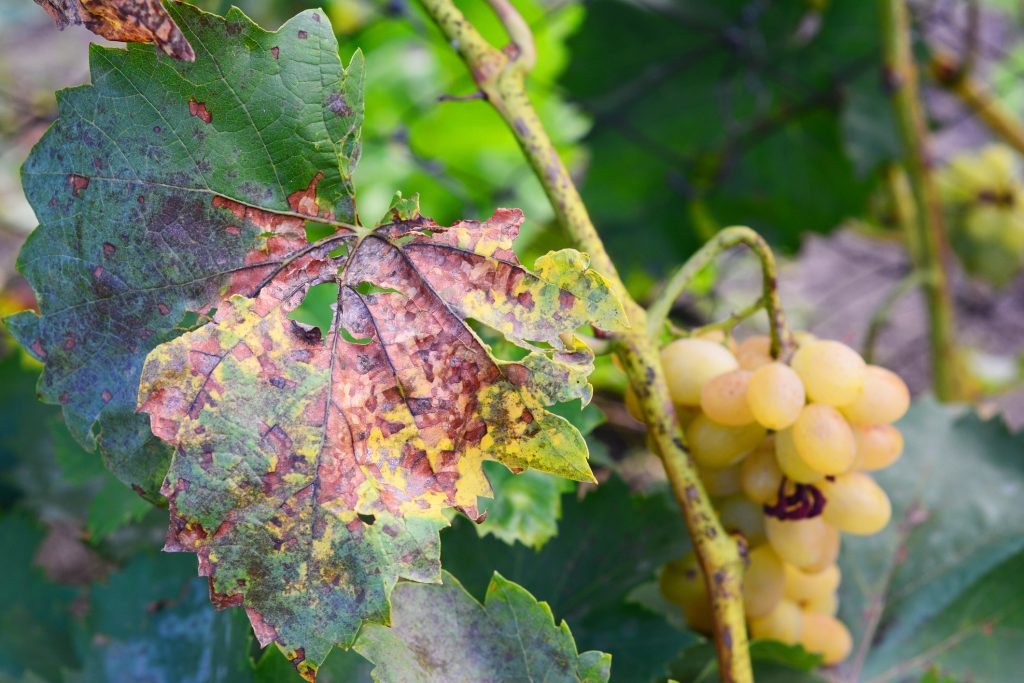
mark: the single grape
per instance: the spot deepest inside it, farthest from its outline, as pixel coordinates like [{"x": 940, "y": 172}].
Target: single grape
[
  {"x": 740, "y": 515},
  {"x": 720, "y": 482},
  {"x": 800, "y": 542},
  {"x": 826, "y": 636},
  {"x": 724, "y": 399},
  {"x": 682, "y": 582},
  {"x": 802, "y": 586},
  {"x": 784, "y": 623},
  {"x": 829, "y": 550},
  {"x": 760, "y": 475},
  {"x": 823, "y": 604},
  {"x": 854, "y": 503},
  {"x": 775, "y": 395},
  {"x": 753, "y": 352},
  {"x": 690, "y": 363},
  {"x": 790, "y": 462},
  {"x": 823, "y": 439},
  {"x": 831, "y": 371},
  {"x": 878, "y": 446},
  {"x": 764, "y": 581},
  {"x": 883, "y": 399},
  {"x": 714, "y": 445}
]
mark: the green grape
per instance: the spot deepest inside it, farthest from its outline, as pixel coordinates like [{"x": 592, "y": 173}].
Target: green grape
[
  {"x": 784, "y": 623},
  {"x": 827, "y": 636},
  {"x": 720, "y": 482},
  {"x": 690, "y": 363},
  {"x": 740, "y": 515},
  {"x": 883, "y": 399},
  {"x": 790, "y": 462},
  {"x": 724, "y": 399},
  {"x": 800, "y": 542},
  {"x": 824, "y": 440},
  {"x": 753, "y": 352},
  {"x": 804, "y": 586},
  {"x": 764, "y": 581},
  {"x": 831, "y": 371},
  {"x": 682, "y": 582},
  {"x": 714, "y": 446},
  {"x": 854, "y": 503},
  {"x": 878, "y": 446},
  {"x": 760, "y": 475},
  {"x": 775, "y": 395}
]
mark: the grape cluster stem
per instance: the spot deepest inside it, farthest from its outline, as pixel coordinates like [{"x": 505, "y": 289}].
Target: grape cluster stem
[{"x": 501, "y": 76}]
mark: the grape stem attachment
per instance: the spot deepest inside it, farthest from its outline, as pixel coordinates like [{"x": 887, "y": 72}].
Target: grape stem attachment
[
  {"x": 501, "y": 76},
  {"x": 658, "y": 311}
]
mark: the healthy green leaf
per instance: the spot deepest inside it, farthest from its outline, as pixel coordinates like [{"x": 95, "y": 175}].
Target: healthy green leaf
[
  {"x": 609, "y": 543},
  {"x": 511, "y": 637},
  {"x": 942, "y": 583}
]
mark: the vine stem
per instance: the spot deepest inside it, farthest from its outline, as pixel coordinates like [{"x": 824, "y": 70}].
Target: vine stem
[
  {"x": 657, "y": 312},
  {"x": 926, "y": 239},
  {"x": 501, "y": 76}
]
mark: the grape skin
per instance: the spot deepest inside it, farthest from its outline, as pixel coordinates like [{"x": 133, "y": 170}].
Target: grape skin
[
  {"x": 690, "y": 363},
  {"x": 775, "y": 396},
  {"x": 831, "y": 371}
]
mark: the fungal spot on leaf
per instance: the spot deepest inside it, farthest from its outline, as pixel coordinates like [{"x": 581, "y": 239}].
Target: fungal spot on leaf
[
  {"x": 336, "y": 103},
  {"x": 77, "y": 183},
  {"x": 303, "y": 35},
  {"x": 275, "y": 51},
  {"x": 198, "y": 109},
  {"x": 108, "y": 249},
  {"x": 106, "y": 396}
]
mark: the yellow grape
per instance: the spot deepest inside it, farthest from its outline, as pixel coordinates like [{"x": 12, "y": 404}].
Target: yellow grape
[
  {"x": 824, "y": 440},
  {"x": 714, "y": 445},
  {"x": 724, "y": 399},
  {"x": 831, "y": 371},
  {"x": 800, "y": 542},
  {"x": 854, "y": 503},
  {"x": 804, "y": 586},
  {"x": 753, "y": 352},
  {"x": 760, "y": 475},
  {"x": 829, "y": 550},
  {"x": 775, "y": 395},
  {"x": 790, "y": 462},
  {"x": 764, "y": 581},
  {"x": 823, "y": 604},
  {"x": 878, "y": 446},
  {"x": 682, "y": 582},
  {"x": 883, "y": 399},
  {"x": 827, "y": 636},
  {"x": 720, "y": 482},
  {"x": 738, "y": 514},
  {"x": 784, "y": 623},
  {"x": 690, "y": 363}
]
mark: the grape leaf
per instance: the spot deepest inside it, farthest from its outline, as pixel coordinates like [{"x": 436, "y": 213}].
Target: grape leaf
[
  {"x": 134, "y": 21},
  {"x": 186, "y": 210},
  {"x": 942, "y": 580},
  {"x": 511, "y": 637},
  {"x": 609, "y": 544}
]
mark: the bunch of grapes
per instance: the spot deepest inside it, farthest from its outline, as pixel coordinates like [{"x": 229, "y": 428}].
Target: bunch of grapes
[
  {"x": 983, "y": 197},
  {"x": 785, "y": 449}
]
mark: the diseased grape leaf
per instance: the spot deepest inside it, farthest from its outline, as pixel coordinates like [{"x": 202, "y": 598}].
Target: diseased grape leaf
[
  {"x": 186, "y": 210},
  {"x": 511, "y": 637},
  {"x": 131, "y": 21},
  {"x": 138, "y": 187},
  {"x": 942, "y": 585}
]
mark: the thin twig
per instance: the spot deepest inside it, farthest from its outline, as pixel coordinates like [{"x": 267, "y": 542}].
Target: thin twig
[
  {"x": 880, "y": 318},
  {"x": 502, "y": 77},
  {"x": 478, "y": 95}
]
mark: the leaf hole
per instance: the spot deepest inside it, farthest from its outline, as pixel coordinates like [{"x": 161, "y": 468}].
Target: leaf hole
[
  {"x": 368, "y": 520},
  {"x": 317, "y": 307}
]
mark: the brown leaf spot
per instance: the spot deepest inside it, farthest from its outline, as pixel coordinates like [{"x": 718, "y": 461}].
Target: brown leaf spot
[
  {"x": 98, "y": 272},
  {"x": 108, "y": 249},
  {"x": 37, "y": 346},
  {"x": 157, "y": 129},
  {"x": 163, "y": 308},
  {"x": 77, "y": 183},
  {"x": 275, "y": 51},
  {"x": 304, "y": 201},
  {"x": 198, "y": 109},
  {"x": 69, "y": 341},
  {"x": 337, "y": 104},
  {"x": 64, "y": 398},
  {"x": 303, "y": 35},
  {"x": 987, "y": 628},
  {"x": 106, "y": 395},
  {"x": 233, "y": 230}
]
